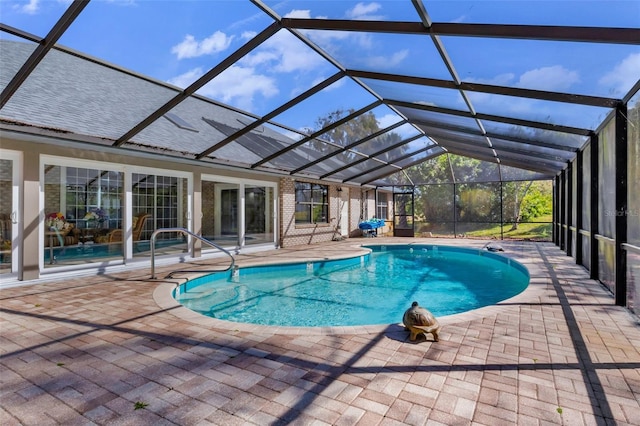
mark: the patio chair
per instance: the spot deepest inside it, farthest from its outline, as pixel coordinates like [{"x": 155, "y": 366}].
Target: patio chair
[
  {"x": 5, "y": 227},
  {"x": 5, "y": 235},
  {"x": 115, "y": 235}
]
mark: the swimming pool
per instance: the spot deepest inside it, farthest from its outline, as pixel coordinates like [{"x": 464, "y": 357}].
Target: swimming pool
[{"x": 366, "y": 290}]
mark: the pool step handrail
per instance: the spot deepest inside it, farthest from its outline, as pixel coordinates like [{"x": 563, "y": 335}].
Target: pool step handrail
[{"x": 196, "y": 236}]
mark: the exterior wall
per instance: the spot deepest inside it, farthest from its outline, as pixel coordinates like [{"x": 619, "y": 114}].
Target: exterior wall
[
  {"x": 370, "y": 204},
  {"x": 304, "y": 234},
  {"x": 30, "y": 216},
  {"x": 197, "y": 218},
  {"x": 288, "y": 234},
  {"x": 355, "y": 212},
  {"x": 209, "y": 194},
  {"x": 32, "y": 208}
]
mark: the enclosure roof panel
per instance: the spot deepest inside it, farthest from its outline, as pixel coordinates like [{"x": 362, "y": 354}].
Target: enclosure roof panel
[{"x": 347, "y": 90}]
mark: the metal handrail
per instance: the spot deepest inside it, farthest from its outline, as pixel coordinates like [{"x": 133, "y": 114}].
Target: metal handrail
[
  {"x": 605, "y": 239},
  {"x": 198, "y": 237},
  {"x": 630, "y": 247}
]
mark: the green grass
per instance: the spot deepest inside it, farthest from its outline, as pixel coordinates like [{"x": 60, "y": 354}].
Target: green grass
[{"x": 525, "y": 231}]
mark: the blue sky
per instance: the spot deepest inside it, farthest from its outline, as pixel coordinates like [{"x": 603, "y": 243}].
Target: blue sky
[{"x": 178, "y": 41}]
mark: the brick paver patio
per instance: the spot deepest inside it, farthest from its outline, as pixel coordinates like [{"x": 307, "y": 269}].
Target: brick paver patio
[{"x": 116, "y": 349}]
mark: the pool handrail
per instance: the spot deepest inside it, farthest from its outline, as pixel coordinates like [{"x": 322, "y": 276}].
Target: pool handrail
[{"x": 196, "y": 236}]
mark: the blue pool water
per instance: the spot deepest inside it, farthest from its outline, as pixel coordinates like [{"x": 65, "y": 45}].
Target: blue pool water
[
  {"x": 95, "y": 252},
  {"x": 366, "y": 290}
]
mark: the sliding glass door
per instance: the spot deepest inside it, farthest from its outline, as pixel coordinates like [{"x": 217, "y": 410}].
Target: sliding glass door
[
  {"x": 9, "y": 211},
  {"x": 259, "y": 214},
  {"x": 238, "y": 213},
  {"x": 220, "y": 213}
]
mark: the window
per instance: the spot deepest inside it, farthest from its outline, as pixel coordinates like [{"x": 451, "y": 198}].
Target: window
[
  {"x": 312, "y": 203},
  {"x": 81, "y": 206},
  {"x": 382, "y": 210},
  {"x": 164, "y": 198},
  {"x": 93, "y": 190}
]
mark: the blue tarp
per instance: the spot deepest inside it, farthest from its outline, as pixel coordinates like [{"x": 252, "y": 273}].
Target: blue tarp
[{"x": 371, "y": 224}]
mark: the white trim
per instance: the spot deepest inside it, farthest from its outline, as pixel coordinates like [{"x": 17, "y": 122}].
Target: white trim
[
  {"x": 17, "y": 188},
  {"x": 56, "y": 160},
  {"x": 237, "y": 180}
]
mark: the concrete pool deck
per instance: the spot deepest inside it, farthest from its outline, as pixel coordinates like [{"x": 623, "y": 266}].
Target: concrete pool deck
[{"x": 90, "y": 350}]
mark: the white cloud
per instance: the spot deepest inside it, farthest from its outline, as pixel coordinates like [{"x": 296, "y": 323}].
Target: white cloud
[
  {"x": 364, "y": 11},
  {"x": 333, "y": 41},
  {"x": 487, "y": 102},
  {"x": 235, "y": 86},
  {"x": 295, "y": 91},
  {"x": 31, "y": 8},
  {"x": 427, "y": 103},
  {"x": 191, "y": 48},
  {"x": 553, "y": 78},
  {"x": 387, "y": 120},
  {"x": 301, "y": 14},
  {"x": 184, "y": 80},
  {"x": 505, "y": 79},
  {"x": 248, "y": 35},
  {"x": 283, "y": 53},
  {"x": 623, "y": 76},
  {"x": 238, "y": 86},
  {"x": 459, "y": 19},
  {"x": 327, "y": 39},
  {"x": 259, "y": 58},
  {"x": 387, "y": 61},
  {"x": 337, "y": 85}
]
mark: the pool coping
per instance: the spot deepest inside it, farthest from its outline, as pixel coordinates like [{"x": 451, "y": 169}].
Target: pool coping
[{"x": 163, "y": 297}]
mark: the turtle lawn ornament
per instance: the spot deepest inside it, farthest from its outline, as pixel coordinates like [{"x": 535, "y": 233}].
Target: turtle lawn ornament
[{"x": 419, "y": 320}]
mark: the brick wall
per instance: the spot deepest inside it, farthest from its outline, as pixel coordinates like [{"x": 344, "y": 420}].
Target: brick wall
[
  {"x": 301, "y": 234},
  {"x": 52, "y": 202},
  {"x": 52, "y": 185},
  {"x": 208, "y": 210},
  {"x": 6, "y": 191}
]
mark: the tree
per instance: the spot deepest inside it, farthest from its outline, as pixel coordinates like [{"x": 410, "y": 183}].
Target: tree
[
  {"x": 351, "y": 132},
  {"x": 526, "y": 200},
  {"x": 520, "y": 192}
]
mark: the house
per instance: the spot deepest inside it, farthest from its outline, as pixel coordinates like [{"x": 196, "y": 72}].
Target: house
[{"x": 98, "y": 144}]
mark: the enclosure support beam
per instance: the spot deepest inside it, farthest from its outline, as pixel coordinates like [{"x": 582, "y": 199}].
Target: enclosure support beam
[
  {"x": 579, "y": 205},
  {"x": 621, "y": 204},
  {"x": 595, "y": 178},
  {"x": 556, "y": 211},
  {"x": 569, "y": 196},
  {"x": 501, "y": 211},
  {"x": 455, "y": 212},
  {"x": 563, "y": 210}
]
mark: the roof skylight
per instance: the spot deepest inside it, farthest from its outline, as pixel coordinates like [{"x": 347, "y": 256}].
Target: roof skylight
[{"x": 179, "y": 121}]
